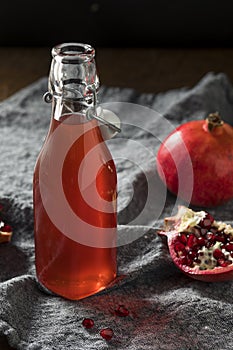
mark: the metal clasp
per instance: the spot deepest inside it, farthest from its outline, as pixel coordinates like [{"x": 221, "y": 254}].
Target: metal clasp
[
  {"x": 92, "y": 111},
  {"x": 48, "y": 97}
]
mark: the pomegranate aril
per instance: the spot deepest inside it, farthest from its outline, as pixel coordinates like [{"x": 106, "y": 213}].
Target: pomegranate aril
[
  {"x": 184, "y": 260},
  {"x": 122, "y": 311},
  {"x": 201, "y": 241},
  {"x": 218, "y": 254},
  {"x": 219, "y": 238},
  {"x": 88, "y": 323},
  {"x": 192, "y": 254},
  {"x": 189, "y": 262},
  {"x": 209, "y": 244},
  {"x": 192, "y": 241},
  {"x": 106, "y": 333},
  {"x": 179, "y": 247},
  {"x": 223, "y": 262},
  {"x": 197, "y": 232},
  {"x": 203, "y": 231},
  {"x": 229, "y": 247},
  {"x": 207, "y": 221},
  {"x": 182, "y": 237},
  {"x": 210, "y": 236},
  {"x": 214, "y": 230}
]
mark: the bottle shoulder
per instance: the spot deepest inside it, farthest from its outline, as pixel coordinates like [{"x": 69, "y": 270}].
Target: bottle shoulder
[{"x": 74, "y": 142}]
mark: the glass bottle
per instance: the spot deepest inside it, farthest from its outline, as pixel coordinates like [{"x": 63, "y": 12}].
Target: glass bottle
[{"x": 74, "y": 185}]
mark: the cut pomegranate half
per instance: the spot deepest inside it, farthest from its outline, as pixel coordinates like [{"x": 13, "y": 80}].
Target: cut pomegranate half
[{"x": 200, "y": 246}]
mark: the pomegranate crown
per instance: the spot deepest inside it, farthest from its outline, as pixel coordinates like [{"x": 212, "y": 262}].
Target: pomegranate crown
[{"x": 214, "y": 120}]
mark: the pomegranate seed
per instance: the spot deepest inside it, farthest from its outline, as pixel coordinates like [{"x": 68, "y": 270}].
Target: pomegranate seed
[
  {"x": 192, "y": 254},
  {"x": 180, "y": 254},
  {"x": 106, "y": 333},
  {"x": 183, "y": 260},
  {"x": 6, "y": 228},
  {"x": 88, "y": 323},
  {"x": 207, "y": 221},
  {"x": 122, "y": 311},
  {"x": 218, "y": 254},
  {"x": 201, "y": 241},
  {"x": 222, "y": 263},
  {"x": 219, "y": 238},
  {"x": 209, "y": 244},
  {"x": 189, "y": 262},
  {"x": 196, "y": 260},
  {"x": 192, "y": 241},
  {"x": 197, "y": 232},
  {"x": 229, "y": 247},
  {"x": 203, "y": 231},
  {"x": 182, "y": 238},
  {"x": 179, "y": 247},
  {"x": 214, "y": 230},
  {"x": 210, "y": 237}
]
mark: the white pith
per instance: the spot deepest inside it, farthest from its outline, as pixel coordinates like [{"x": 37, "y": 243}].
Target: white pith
[{"x": 190, "y": 219}]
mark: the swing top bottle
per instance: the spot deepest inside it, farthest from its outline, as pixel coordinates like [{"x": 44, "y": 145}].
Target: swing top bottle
[{"x": 74, "y": 185}]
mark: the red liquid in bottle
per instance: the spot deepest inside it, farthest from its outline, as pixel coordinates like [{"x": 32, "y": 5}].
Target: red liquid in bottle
[{"x": 64, "y": 265}]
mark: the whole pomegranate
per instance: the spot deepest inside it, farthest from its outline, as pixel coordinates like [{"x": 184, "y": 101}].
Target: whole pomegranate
[
  {"x": 200, "y": 246},
  {"x": 209, "y": 144}
]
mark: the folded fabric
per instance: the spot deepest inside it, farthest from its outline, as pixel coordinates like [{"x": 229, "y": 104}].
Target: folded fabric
[{"x": 167, "y": 310}]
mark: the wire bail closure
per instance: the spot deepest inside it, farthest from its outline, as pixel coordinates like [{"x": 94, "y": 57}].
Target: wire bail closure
[
  {"x": 47, "y": 97},
  {"x": 93, "y": 111}
]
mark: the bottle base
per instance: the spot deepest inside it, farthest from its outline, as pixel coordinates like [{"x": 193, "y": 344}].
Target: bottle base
[
  {"x": 74, "y": 291},
  {"x": 44, "y": 289}
]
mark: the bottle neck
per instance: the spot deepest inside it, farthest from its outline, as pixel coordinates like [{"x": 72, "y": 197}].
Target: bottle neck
[
  {"x": 62, "y": 107},
  {"x": 74, "y": 83},
  {"x": 72, "y": 79}
]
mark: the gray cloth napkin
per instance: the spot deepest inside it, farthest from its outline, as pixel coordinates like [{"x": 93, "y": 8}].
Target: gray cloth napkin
[{"x": 167, "y": 309}]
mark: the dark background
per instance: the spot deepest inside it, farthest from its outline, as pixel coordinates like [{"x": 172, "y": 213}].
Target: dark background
[{"x": 118, "y": 23}]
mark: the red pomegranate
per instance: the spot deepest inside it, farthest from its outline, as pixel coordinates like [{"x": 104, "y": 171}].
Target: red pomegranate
[
  {"x": 209, "y": 145},
  {"x": 200, "y": 247}
]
